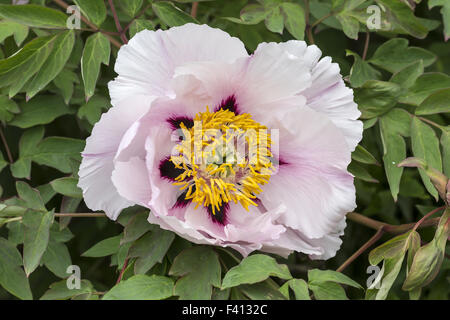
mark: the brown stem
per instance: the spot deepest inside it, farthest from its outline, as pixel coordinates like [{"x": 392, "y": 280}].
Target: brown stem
[
  {"x": 194, "y": 9},
  {"x": 361, "y": 250},
  {"x": 116, "y": 20},
  {"x": 94, "y": 28},
  {"x": 366, "y": 45},
  {"x": 136, "y": 17},
  {"x": 318, "y": 21},
  {"x": 389, "y": 228},
  {"x": 80, "y": 215},
  {"x": 431, "y": 122},
  {"x": 308, "y": 28},
  {"x": 382, "y": 227},
  {"x": 425, "y": 217},
  {"x": 125, "y": 264},
  {"x": 5, "y": 143}
]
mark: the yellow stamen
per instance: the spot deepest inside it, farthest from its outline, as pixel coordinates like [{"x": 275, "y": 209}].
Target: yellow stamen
[{"x": 215, "y": 170}]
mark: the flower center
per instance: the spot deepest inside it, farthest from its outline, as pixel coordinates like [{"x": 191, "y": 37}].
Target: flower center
[{"x": 225, "y": 157}]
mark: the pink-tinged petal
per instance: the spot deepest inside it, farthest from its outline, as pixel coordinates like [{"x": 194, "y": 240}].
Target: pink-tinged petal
[
  {"x": 269, "y": 76},
  {"x": 159, "y": 146},
  {"x": 253, "y": 226},
  {"x": 329, "y": 95},
  {"x": 147, "y": 63},
  {"x": 329, "y": 244},
  {"x": 173, "y": 223},
  {"x": 327, "y": 92},
  {"x": 313, "y": 182},
  {"x": 290, "y": 241},
  {"x": 131, "y": 180},
  {"x": 98, "y": 157}
]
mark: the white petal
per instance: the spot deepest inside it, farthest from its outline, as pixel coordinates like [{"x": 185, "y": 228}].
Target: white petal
[
  {"x": 147, "y": 63},
  {"x": 131, "y": 180},
  {"x": 314, "y": 185},
  {"x": 327, "y": 92},
  {"x": 330, "y": 243},
  {"x": 98, "y": 156}
]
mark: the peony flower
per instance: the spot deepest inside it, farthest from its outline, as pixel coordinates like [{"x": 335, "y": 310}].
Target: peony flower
[{"x": 194, "y": 78}]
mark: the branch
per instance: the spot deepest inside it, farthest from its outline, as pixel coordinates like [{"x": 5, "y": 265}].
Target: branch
[
  {"x": 194, "y": 9},
  {"x": 136, "y": 17},
  {"x": 366, "y": 46},
  {"x": 382, "y": 227},
  {"x": 125, "y": 264},
  {"x": 116, "y": 20},
  {"x": 94, "y": 28},
  {"x": 361, "y": 250},
  {"x": 389, "y": 228},
  {"x": 5, "y": 143}
]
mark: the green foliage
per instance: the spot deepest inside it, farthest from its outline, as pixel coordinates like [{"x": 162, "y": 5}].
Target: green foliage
[{"x": 54, "y": 88}]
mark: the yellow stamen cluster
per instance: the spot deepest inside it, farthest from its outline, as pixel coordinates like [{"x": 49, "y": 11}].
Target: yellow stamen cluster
[{"x": 225, "y": 157}]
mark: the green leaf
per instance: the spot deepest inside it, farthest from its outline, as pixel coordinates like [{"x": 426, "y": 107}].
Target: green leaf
[
  {"x": 300, "y": 288},
  {"x": 413, "y": 247},
  {"x": 104, "y": 248},
  {"x": 34, "y": 16},
  {"x": 394, "y": 151},
  {"x": 253, "y": 269},
  {"x": 56, "y": 152},
  {"x": 199, "y": 269},
  {"x": 388, "y": 274},
  {"x": 151, "y": 248},
  {"x": 136, "y": 227},
  {"x": 60, "y": 291},
  {"x": 402, "y": 15},
  {"x": 389, "y": 249},
  {"x": 394, "y": 55},
  {"x": 445, "y": 143},
  {"x": 55, "y": 62},
  {"x": 294, "y": 19},
  {"x": 141, "y": 287},
  {"x": 428, "y": 259},
  {"x": 362, "y": 155},
  {"x": 31, "y": 196},
  {"x": 67, "y": 186},
  {"x": 37, "y": 232},
  {"x": 275, "y": 20},
  {"x": 361, "y": 71},
  {"x": 350, "y": 24},
  {"x": 317, "y": 276},
  {"x": 445, "y": 11},
  {"x": 253, "y": 13},
  {"x": 18, "y": 68},
  {"x": 171, "y": 15},
  {"x": 425, "y": 145},
  {"x": 261, "y": 291},
  {"x": 64, "y": 81},
  {"x": 9, "y": 28},
  {"x": 94, "y": 10},
  {"x": 328, "y": 291},
  {"x": 57, "y": 258},
  {"x": 93, "y": 109},
  {"x": 425, "y": 85},
  {"x": 12, "y": 276},
  {"x": 41, "y": 110},
  {"x": 8, "y": 108},
  {"x": 408, "y": 75},
  {"x": 361, "y": 173},
  {"x": 376, "y": 97},
  {"x": 96, "y": 51},
  {"x": 139, "y": 25},
  {"x": 437, "y": 102},
  {"x": 131, "y": 7}
]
